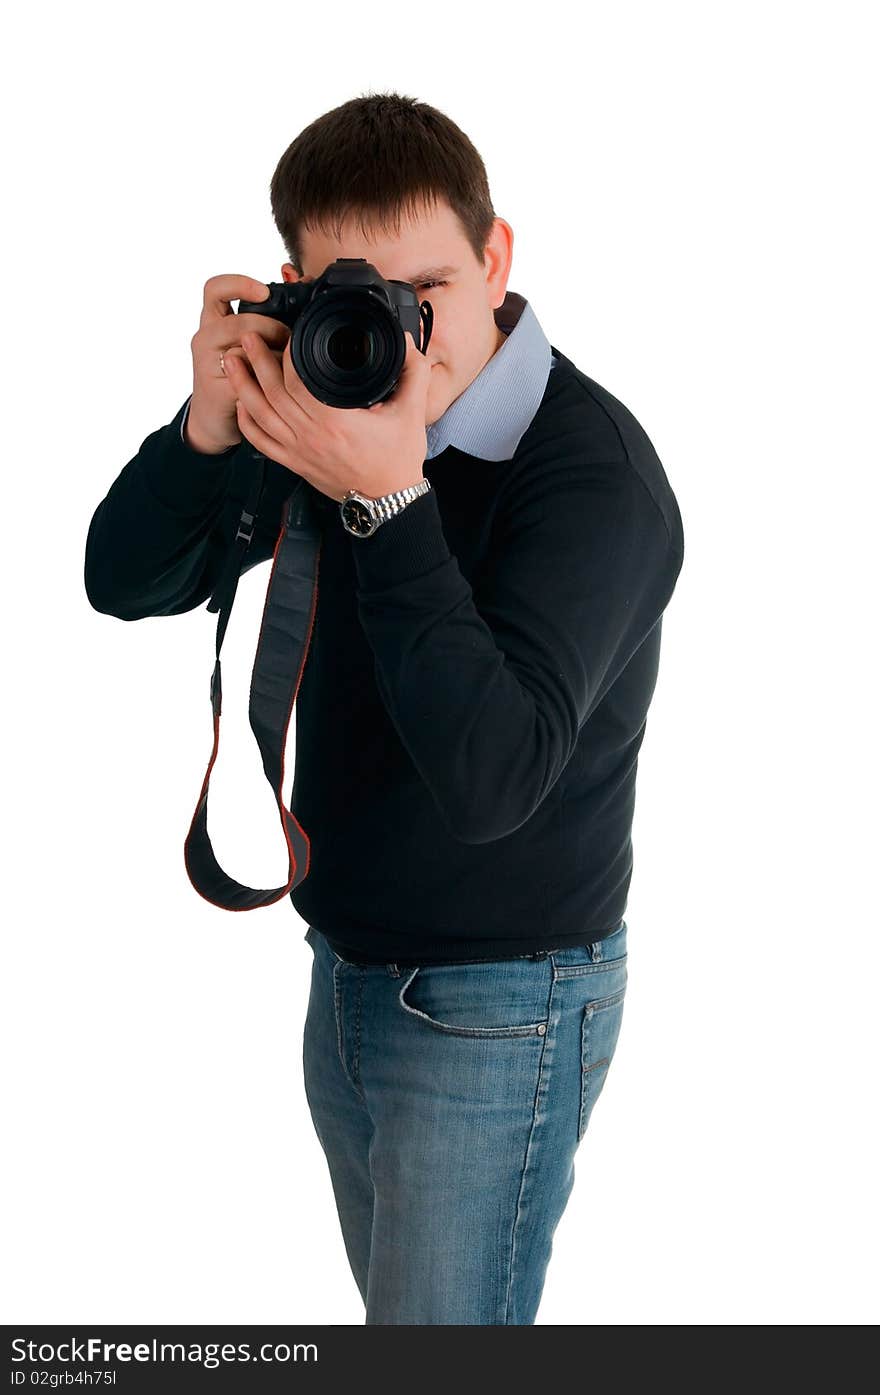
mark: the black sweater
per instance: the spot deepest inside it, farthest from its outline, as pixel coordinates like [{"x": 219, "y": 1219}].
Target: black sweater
[{"x": 476, "y": 690}]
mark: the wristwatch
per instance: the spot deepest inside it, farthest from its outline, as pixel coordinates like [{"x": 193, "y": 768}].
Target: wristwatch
[{"x": 362, "y": 515}]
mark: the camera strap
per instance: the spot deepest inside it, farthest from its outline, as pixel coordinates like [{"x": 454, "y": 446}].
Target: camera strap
[{"x": 282, "y": 647}]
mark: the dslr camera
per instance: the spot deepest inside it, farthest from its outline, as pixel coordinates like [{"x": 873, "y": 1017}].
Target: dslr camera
[{"x": 347, "y": 330}]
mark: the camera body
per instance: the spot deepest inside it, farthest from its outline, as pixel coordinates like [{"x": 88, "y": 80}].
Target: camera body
[{"x": 347, "y": 330}]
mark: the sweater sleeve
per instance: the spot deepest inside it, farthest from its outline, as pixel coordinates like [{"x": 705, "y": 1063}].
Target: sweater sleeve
[
  {"x": 488, "y": 687},
  {"x": 158, "y": 541}
]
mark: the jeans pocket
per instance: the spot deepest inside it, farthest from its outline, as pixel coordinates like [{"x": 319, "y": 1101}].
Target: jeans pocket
[
  {"x": 599, "y": 958},
  {"x": 600, "y": 1027},
  {"x": 493, "y": 998}
]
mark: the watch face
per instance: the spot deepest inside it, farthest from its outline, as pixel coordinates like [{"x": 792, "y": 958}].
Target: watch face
[{"x": 358, "y": 518}]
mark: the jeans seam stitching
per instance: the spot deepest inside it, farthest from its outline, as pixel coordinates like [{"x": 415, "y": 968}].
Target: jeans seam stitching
[
  {"x": 356, "y": 1062},
  {"x": 337, "y": 1004},
  {"x": 582, "y": 970},
  {"x": 514, "y": 1234},
  {"x": 340, "y": 1044}
]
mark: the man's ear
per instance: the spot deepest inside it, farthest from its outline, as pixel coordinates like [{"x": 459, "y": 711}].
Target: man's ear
[
  {"x": 497, "y": 260},
  {"x": 289, "y": 273}
]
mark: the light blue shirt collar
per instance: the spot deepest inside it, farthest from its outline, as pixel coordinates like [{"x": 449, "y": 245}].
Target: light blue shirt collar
[{"x": 494, "y": 412}]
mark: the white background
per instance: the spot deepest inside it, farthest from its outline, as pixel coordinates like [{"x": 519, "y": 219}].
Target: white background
[{"x": 690, "y": 187}]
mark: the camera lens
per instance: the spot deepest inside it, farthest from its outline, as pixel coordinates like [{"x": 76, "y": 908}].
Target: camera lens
[
  {"x": 348, "y": 343},
  {"x": 349, "y": 347}
]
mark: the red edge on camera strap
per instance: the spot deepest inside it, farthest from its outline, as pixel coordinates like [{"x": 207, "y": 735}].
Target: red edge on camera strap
[{"x": 202, "y": 867}]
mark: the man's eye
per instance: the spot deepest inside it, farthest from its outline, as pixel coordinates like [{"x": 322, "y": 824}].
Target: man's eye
[{"x": 427, "y": 285}]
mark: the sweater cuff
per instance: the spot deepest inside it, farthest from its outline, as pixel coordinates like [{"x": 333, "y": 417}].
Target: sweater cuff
[
  {"x": 408, "y": 544},
  {"x": 183, "y": 480}
]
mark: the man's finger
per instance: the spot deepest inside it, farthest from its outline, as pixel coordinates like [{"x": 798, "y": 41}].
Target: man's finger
[
  {"x": 272, "y": 379},
  {"x": 296, "y": 388},
  {"x": 266, "y": 368},
  {"x": 251, "y": 395},
  {"x": 261, "y": 440},
  {"x": 220, "y": 291}
]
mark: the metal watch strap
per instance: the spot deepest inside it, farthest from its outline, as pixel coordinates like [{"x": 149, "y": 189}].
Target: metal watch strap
[
  {"x": 387, "y": 505},
  {"x": 379, "y": 510}
]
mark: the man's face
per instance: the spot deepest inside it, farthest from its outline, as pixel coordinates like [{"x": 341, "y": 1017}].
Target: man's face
[{"x": 464, "y": 335}]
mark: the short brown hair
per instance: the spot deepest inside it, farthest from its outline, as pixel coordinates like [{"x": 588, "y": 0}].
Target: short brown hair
[{"x": 379, "y": 158}]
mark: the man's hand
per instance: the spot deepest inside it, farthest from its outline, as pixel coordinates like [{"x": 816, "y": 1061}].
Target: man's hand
[
  {"x": 210, "y": 424},
  {"x": 374, "y": 450}
]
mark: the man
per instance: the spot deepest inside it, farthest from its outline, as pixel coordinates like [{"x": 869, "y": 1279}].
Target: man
[{"x": 470, "y": 712}]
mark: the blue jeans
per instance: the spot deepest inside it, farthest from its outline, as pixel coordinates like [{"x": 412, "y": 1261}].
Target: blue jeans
[{"x": 450, "y": 1100}]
